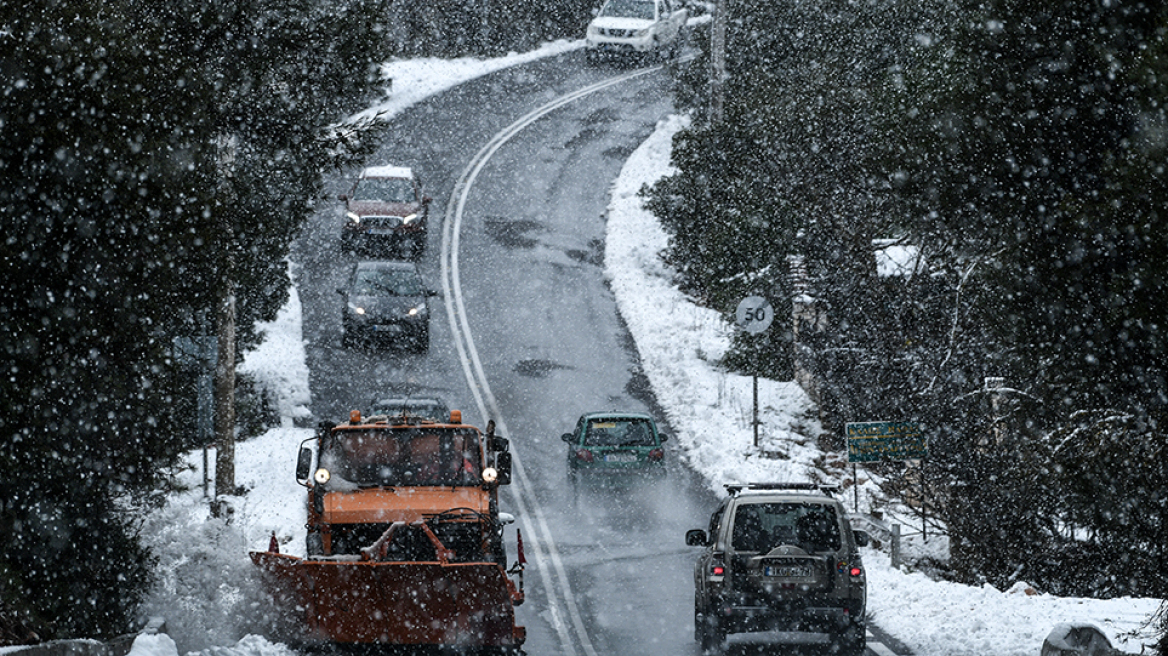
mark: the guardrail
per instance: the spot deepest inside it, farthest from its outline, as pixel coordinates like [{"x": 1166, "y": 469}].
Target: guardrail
[{"x": 881, "y": 531}]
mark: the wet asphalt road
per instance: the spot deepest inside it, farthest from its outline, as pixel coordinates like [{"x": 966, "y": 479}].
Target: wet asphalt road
[{"x": 608, "y": 571}]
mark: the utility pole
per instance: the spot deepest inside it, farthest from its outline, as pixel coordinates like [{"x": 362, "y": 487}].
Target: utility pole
[
  {"x": 717, "y": 62},
  {"x": 225, "y": 389},
  {"x": 225, "y": 333}
]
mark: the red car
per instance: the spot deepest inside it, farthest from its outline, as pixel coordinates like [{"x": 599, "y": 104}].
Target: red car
[{"x": 386, "y": 211}]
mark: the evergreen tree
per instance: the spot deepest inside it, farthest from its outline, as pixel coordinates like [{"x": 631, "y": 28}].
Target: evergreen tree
[
  {"x": 1032, "y": 144},
  {"x": 787, "y": 171},
  {"x": 113, "y": 210}
]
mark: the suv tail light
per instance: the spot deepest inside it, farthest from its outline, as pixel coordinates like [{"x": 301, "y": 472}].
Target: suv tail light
[
  {"x": 584, "y": 454},
  {"x": 717, "y": 567},
  {"x": 656, "y": 455}
]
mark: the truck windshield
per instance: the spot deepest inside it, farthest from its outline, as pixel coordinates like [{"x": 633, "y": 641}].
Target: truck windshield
[
  {"x": 405, "y": 457},
  {"x": 619, "y": 432},
  {"x": 388, "y": 190},
  {"x": 629, "y": 9}
]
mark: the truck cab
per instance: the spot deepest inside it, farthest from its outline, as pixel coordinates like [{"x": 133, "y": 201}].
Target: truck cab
[{"x": 372, "y": 472}]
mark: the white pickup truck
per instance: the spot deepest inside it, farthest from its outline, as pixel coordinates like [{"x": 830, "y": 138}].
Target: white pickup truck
[{"x": 648, "y": 28}]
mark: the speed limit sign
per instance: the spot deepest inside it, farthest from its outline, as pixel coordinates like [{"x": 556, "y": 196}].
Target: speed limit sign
[{"x": 754, "y": 314}]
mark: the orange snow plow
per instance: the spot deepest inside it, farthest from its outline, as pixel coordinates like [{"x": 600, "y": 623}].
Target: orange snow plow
[{"x": 405, "y": 540}]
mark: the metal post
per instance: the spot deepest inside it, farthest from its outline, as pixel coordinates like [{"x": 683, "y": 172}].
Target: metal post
[
  {"x": 717, "y": 61},
  {"x": 924, "y": 511},
  {"x": 755, "y": 420},
  {"x": 855, "y": 489},
  {"x": 894, "y": 548},
  {"x": 206, "y": 473}
]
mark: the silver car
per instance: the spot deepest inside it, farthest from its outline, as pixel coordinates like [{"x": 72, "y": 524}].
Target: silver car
[{"x": 780, "y": 557}]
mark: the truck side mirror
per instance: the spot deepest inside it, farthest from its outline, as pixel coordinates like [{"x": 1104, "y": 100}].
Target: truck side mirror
[
  {"x": 503, "y": 466},
  {"x": 567, "y": 437},
  {"x": 303, "y": 465},
  {"x": 862, "y": 538},
  {"x": 500, "y": 444},
  {"x": 696, "y": 538}
]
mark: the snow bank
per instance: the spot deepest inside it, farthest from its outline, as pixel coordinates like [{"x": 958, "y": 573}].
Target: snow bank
[
  {"x": 680, "y": 343},
  {"x": 279, "y": 363}
]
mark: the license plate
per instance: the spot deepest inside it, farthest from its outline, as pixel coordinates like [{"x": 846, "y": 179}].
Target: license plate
[
  {"x": 388, "y": 329},
  {"x": 787, "y": 572},
  {"x": 620, "y": 457}
]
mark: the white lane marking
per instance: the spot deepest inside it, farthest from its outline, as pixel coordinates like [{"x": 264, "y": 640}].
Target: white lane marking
[
  {"x": 540, "y": 539},
  {"x": 879, "y": 647}
]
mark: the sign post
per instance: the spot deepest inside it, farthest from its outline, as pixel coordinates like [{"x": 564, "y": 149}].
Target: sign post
[
  {"x": 874, "y": 441},
  {"x": 754, "y": 315}
]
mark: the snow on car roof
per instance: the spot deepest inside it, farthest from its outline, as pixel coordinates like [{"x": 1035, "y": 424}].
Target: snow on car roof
[{"x": 387, "y": 172}]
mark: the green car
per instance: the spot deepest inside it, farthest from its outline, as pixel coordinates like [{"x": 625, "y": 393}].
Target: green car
[{"x": 615, "y": 444}]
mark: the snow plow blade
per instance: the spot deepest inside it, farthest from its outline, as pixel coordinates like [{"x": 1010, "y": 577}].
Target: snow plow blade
[{"x": 398, "y": 603}]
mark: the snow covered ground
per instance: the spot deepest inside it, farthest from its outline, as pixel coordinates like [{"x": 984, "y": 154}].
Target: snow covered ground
[{"x": 204, "y": 589}]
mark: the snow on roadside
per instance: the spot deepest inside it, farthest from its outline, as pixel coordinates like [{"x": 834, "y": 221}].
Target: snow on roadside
[
  {"x": 414, "y": 80},
  {"x": 679, "y": 345},
  {"x": 279, "y": 363}
]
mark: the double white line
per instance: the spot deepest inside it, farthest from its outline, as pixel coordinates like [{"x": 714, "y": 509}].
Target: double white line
[{"x": 565, "y": 614}]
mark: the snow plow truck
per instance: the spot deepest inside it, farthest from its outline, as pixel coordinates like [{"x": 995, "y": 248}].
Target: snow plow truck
[{"x": 405, "y": 538}]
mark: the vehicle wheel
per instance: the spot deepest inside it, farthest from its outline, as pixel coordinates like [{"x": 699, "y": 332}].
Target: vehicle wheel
[
  {"x": 709, "y": 633},
  {"x": 852, "y": 642},
  {"x": 348, "y": 339},
  {"x": 422, "y": 341},
  {"x": 590, "y": 58}
]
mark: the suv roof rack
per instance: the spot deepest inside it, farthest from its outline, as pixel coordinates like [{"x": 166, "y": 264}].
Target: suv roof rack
[{"x": 735, "y": 488}]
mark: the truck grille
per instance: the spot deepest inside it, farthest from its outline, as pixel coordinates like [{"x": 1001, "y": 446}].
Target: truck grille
[
  {"x": 613, "y": 32},
  {"x": 381, "y": 221}
]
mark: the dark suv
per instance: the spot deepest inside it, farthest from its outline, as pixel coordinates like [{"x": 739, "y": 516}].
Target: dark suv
[{"x": 780, "y": 557}]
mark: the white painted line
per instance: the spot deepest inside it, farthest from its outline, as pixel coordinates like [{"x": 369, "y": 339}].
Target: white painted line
[
  {"x": 878, "y": 647},
  {"x": 540, "y": 538}
]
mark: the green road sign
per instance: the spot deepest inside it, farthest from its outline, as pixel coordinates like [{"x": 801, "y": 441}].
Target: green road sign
[{"x": 872, "y": 441}]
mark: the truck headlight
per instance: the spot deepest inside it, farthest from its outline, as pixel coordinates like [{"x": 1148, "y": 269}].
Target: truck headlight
[
  {"x": 322, "y": 476},
  {"x": 406, "y": 220},
  {"x": 353, "y": 216}
]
